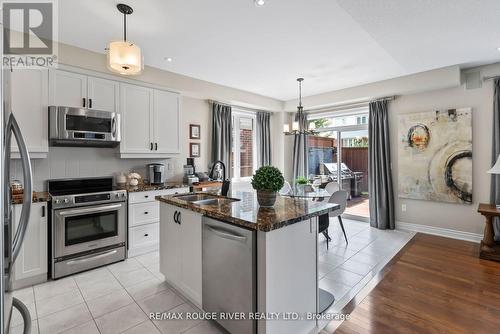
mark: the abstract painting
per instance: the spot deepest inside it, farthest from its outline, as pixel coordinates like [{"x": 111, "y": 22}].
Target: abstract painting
[{"x": 435, "y": 155}]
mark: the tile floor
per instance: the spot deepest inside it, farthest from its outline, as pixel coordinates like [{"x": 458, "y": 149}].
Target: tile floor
[{"x": 118, "y": 298}]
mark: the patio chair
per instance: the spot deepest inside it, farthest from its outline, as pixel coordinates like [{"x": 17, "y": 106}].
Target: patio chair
[
  {"x": 338, "y": 197},
  {"x": 285, "y": 189}
]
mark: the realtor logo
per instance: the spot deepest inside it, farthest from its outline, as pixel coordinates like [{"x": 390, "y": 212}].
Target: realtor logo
[{"x": 29, "y": 33}]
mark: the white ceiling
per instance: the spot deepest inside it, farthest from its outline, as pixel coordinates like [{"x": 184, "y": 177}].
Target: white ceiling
[{"x": 334, "y": 44}]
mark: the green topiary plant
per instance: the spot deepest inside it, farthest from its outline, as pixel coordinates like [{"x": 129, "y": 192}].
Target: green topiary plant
[
  {"x": 301, "y": 180},
  {"x": 268, "y": 178}
]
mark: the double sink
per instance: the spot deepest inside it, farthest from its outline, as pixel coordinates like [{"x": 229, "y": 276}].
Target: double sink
[{"x": 205, "y": 199}]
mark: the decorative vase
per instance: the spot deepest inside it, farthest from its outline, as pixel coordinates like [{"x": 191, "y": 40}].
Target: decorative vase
[{"x": 265, "y": 198}]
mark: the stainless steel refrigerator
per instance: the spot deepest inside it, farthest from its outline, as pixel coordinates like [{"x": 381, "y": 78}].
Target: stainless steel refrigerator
[{"x": 11, "y": 241}]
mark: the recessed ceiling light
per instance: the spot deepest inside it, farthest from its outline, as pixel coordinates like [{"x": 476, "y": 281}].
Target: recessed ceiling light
[
  {"x": 260, "y": 3},
  {"x": 168, "y": 59}
]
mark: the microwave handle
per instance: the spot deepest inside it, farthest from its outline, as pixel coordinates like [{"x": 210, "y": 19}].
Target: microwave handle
[
  {"x": 89, "y": 210},
  {"x": 113, "y": 126}
]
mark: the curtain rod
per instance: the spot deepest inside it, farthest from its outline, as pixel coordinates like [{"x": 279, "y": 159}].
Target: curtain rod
[
  {"x": 238, "y": 107},
  {"x": 351, "y": 105}
]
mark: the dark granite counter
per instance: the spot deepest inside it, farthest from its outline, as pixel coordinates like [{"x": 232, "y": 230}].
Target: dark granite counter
[
  {"x": 150, "y": 187},
  {"x": 38, "y": 196},
  {"x": 247, "y": 213}
]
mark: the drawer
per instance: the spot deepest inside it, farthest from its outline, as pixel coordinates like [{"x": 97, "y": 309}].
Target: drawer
[
  {"x": 143, "y": 213},
  {"x": 149, "y": 196},
  {"x": 144, "y": 236}
]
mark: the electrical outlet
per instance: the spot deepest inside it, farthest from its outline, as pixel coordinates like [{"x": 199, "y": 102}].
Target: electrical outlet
[{"x": 403, "y": 207}]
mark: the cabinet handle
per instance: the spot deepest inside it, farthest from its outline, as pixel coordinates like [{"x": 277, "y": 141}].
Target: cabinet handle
[
  {"x": 146, "y": 235},
  {"x": 146, "y": 196},
  {"x": 156, "y": 146},
  {"x": 43, "y": 211},
  {"x": 150, "y": 146},
  {"x": 90, "y": 103},
  {"x": 179, "y": 221},
  {"x": 84, "y": 102},
  {"x": 145, "y": 212},
  {"x": 175, "y": 216}
]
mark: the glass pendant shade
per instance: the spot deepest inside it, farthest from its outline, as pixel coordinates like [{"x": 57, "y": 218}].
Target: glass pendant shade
[
  {"x": 286, "y": 127},
  {"x": 125, "y": 58},
  {"x": 295, "y": 126}
]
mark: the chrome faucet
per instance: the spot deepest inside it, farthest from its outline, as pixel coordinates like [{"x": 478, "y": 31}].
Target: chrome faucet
[{"x": 225, "y": 183}]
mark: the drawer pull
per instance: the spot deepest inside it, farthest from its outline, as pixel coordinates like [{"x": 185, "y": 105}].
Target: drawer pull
[
  {"x": 146, "y": 235},
  {"x": 146, "y": 196},
  {"x": 145, "y": 212}
]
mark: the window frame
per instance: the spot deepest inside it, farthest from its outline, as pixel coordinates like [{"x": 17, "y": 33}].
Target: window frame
[{"x": 236, "y": 171}]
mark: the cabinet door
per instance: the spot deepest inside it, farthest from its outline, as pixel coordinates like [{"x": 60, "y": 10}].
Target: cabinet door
[
  {"x": 30, "y": 100},
  {"x": 136, "y": 105},
  {"x": 169, "y": 243},
  {"x": 190, "y": 254},
  {"x": 103, "y": 94},
  {"x": 68, "y": 89},
  {"x": 32, "y": 260},
  {"x": 166, "y": 122}
]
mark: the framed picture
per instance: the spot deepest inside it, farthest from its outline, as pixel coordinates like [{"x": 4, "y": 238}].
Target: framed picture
[
  {"x": 194, "y": 150},
  {"x": 194, "y": 131}
]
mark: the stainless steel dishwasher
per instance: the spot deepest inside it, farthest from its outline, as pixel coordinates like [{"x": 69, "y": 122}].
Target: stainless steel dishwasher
[{"x": 229, "y": 273}]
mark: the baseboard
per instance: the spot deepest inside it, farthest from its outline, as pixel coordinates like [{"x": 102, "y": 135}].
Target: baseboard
[{"x": 443, "y": 232}]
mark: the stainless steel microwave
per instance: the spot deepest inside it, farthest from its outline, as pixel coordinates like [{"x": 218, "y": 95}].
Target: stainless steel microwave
[{"x": 83, "y": 127}]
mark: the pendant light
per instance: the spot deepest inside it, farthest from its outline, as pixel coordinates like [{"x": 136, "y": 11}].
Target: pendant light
[
  {"x": 125, "y": 57},
  {"x": 296, "y": 126}
]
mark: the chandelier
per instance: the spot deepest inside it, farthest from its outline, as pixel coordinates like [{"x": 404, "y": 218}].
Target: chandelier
[{"x": 297, "y": 127}]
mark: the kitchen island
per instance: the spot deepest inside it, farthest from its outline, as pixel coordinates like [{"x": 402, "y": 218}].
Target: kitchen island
[{"x": 230, "y": 255}]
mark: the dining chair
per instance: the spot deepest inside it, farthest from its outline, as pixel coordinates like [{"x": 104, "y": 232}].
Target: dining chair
[
  {"x": 339, "y": 197},
  {"x": 332, "y": 187},
  {"x": 285, "y": 189}
]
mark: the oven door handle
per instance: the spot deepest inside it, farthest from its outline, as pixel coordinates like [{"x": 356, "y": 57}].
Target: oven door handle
[
  {"x": 92, "y": 257},
  {"x": 89, "y": 210}
]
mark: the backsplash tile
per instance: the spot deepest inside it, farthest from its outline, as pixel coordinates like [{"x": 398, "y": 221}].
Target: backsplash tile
[{"x": 69, "y": 162}]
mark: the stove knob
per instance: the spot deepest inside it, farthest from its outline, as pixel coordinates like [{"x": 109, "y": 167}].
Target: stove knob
[
  {"x": 66, "y": 200},
  {"x": 56, "y": 201},
  {"x": 123, "y": 194},
  {"x": 117, "y": 195}
]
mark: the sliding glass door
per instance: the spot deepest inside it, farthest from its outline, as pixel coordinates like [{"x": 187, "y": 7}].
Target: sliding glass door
[{"x": 338, "y": 152}]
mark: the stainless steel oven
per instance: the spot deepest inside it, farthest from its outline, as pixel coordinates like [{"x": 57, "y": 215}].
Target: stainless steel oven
[
  {"x": 83, "y": 127},
  {"x": 89, "y": 229}
]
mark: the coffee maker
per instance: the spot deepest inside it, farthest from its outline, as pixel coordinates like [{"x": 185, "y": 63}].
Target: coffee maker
[
  {"x": 190, "y": 172},
  {"x": 156, "y": 173}
]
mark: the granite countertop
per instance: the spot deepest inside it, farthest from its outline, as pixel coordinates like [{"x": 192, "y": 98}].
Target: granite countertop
[
  {"x": 247, "y": 213},
  {"x": 150, "y": 187},
  {"x": 38, "y": 196}
]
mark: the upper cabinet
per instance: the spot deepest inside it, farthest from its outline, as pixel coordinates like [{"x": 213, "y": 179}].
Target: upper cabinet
[
  {"x": 30, "y": 100},
  {"x": 78, "y": 90},
  {"x": 150, "y": 122}
]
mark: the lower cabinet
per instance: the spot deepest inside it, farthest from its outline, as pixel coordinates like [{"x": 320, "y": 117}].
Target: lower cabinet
[
  {"x": 31, "y": 264},
  {"x": 144, "y": 218},
  {"x": 180, "y": 250}
]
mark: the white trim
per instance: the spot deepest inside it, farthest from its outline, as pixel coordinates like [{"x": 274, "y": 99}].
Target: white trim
[{"x": 440, "y": 231}]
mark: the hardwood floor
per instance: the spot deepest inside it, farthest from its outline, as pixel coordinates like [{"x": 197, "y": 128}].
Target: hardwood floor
[{"x": 434, "y": 285}]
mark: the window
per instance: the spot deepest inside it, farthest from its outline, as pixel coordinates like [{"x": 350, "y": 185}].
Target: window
[{"x": 244, "y": 152}]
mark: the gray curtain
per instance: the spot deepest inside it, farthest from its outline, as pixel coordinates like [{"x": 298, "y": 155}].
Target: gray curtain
[
  {"x": 300, "y": 148},
  {"x": 379, "y": 168},
  {"x": 495, "y": 179},
  {"x": 222, "y": 135},
  {"x": 263, "y": 138}
]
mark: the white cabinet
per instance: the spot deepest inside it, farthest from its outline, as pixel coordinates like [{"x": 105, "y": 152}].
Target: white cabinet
[
  {"x": 78, "y": 90},
  {"x": 143, "y": 220},
  {"x": 150, "y": 122},
  {"x": 31, "y": 265},
  {"x": 180, "y": 250},
  {"x": 29, "y": 106},
  {"x": 136, "y": 104}
]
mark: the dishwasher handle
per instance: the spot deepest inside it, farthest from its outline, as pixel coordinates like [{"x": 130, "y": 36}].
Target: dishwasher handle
[{"x": 225, "y": 234}]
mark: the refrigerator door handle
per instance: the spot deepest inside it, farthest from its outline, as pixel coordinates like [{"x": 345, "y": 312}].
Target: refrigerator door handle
[
  {"x": 13, "y": 128},
  {"x": 25, "y": 313}
]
